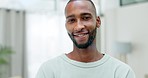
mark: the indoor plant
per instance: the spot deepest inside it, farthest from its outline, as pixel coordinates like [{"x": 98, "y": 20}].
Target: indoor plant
[{"x": 5, "y": 52}]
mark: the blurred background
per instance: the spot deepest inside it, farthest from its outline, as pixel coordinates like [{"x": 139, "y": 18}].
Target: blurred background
[{"x": 33, "y": 31}]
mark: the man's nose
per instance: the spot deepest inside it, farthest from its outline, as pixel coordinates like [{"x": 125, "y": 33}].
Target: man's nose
[{"x": 79, "y": 26}]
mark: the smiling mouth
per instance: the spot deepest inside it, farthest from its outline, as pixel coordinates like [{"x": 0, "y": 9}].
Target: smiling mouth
[{"x": 80, "y": 35}]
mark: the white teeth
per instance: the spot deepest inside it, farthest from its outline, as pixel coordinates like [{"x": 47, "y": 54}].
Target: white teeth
[{"x": 81, "y": 35}]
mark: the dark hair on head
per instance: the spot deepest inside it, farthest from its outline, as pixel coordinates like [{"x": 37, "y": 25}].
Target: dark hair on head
[{"x": 84, "y": 0}]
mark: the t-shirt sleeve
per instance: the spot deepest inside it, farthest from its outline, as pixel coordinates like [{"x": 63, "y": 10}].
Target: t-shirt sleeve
[
  {"x": 44, "y": 72},
  {"x": 130, "y": 74},
  {"x": 125, "y": 72},
  {"x": 40, "y": 74}
]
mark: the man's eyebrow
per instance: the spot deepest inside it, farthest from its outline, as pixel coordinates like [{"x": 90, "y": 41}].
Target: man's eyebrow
[
  {"x": 80, "y": 14},
  {"x": 70, "y": 16},
  {"x": 86, "y": 14}
]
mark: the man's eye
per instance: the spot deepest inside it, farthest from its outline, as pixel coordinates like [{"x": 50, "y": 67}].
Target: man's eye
[
  {"x": 86, "y": 18},
  {"x": 71, "y": 20}
]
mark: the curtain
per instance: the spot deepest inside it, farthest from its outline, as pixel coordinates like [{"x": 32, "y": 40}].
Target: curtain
[{"x": 12, "y": 33}]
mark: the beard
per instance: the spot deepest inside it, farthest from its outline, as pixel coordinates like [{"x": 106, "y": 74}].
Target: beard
[{"x": 90, "y": 40}]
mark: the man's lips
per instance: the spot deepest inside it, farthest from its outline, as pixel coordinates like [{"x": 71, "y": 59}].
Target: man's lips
[{"x": 79, "y": 34}]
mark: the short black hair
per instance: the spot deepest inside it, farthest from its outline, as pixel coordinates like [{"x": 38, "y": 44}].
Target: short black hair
[{"x": 83, "y": 0}]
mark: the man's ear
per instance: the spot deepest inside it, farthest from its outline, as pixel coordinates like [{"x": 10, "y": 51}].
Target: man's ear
[{"x": 98, "y": 21}]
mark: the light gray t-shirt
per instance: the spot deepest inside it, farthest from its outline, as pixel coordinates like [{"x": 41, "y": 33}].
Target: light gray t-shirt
[{"x": 63, "y": 67}]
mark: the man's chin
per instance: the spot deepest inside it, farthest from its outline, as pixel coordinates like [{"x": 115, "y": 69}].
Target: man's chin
[
  {"x": 81, "y": 42},
  {"x": 82, "y": 46}
]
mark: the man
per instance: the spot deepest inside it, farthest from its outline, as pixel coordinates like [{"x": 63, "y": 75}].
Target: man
[{"x": 84, "y": 61}]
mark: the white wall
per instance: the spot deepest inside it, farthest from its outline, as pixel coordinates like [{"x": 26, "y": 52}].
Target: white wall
[{"x": 130, "y": 24}]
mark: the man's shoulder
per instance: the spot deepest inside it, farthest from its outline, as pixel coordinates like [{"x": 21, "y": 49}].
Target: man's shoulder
[
  {"x": 49, "y": 67},
  {"x": 121, "y": 68},
  {"x": 52, "y": 62},
  {"x": 118, "y": 63}
]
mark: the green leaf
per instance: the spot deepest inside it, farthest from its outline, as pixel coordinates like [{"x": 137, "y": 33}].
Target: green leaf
[
  {"x": 5, "y": 50},
  {"x": 3, "y": 61},
  {"x": 4, "y": 54}
]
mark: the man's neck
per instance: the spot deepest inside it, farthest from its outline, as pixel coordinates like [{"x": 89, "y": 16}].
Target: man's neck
[{"x": 89, "y": 54}]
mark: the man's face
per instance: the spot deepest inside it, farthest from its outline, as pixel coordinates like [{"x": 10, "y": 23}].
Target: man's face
[{"x": 81, "y": 23}]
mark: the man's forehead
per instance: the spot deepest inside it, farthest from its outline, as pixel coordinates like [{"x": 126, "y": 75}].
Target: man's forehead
[
  {"x": 79, "y": 4},
  {"x": 83, "y": 0}
]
